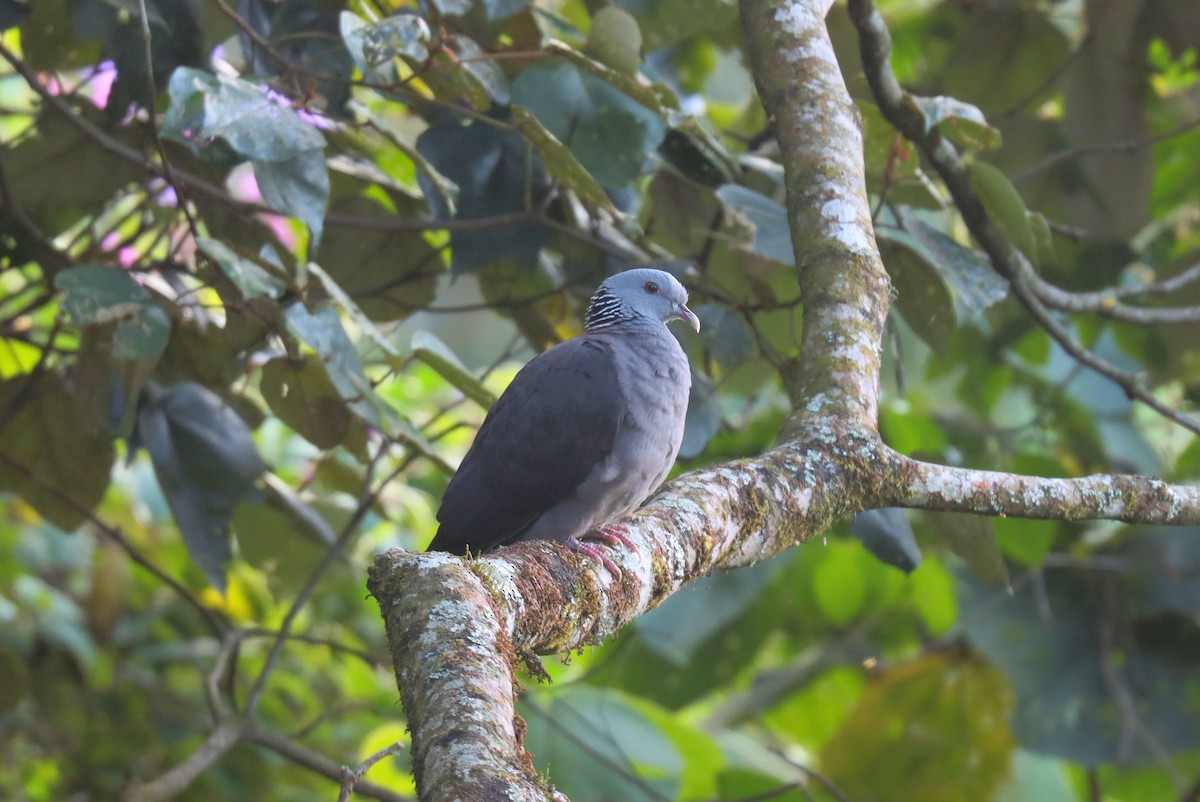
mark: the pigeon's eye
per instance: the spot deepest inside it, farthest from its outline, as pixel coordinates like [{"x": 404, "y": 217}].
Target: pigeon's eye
[{"x": 651, "y": 287}]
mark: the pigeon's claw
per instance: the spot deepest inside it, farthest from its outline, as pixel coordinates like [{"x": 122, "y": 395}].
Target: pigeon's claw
[
  {"x": 596, "y": 553},
  {"x": 612, "y": 534}
]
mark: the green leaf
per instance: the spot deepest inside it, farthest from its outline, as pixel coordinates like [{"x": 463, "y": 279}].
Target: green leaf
[
  {"x": 298, "y": 186},
  {"x": 57, "y": 466},
  {"x": 1038, "y": 779},
  {"x": 481, "y": 70},
  {"x": 1004, "y": 206},
  {"x": 268, "y": 538},
  {"x": 351, "y": 309},
  {"x": 287, "y": 152},
  {"x": 142, "y": 335},
  {"x": 656, "y": 98},
  {"x": 1063, "y": 666},
  {"x": 252, "y": 278},
  {"x": 760, "y": 222},
  {"x": 932, "y": 594},
  {"x": 378, "y": 275},
  {"x": 725, "y": 334},
  {"x": 683, "y": 623},
  {"x": 919, "y": 723},
  {"x": 839, "y": 584},
  {"x": 49, "y": 40},
  {"x": 1004, "y": 55},
  {"x": 14, "y": 668},
  {"x": 600, "y": 745},
  {"x": 322, "y": 331},
  {"x": 300, "y": 392},
  {"x": 704, "y": 416},
  {"x": 435, "y": 353},
  {"x": 816, "y": 711},
  {"x": 204, "y": 105},
  {"x": 96, "y": 294},
  {"x": 973, "y": 538},
  {"x": 963, "y": 123},
  {"x": 940, "y": 284},
  {"x": 1027, "y": 542},
  {"x": 561, "y": 162},
  {"x": 376, "y": 46},
  {"x": 59, "y": 173},
  {"x": 461, "y": 71},
  {"x": 609, "y": 132},
  {"x": 967, "y": 273},
  {"x": 206, "y": 463},
  {"x": 922, "y": 298}
]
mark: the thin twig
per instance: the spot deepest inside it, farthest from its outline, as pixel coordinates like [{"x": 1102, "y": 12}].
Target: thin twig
[
  {"x": 168, "y": 170},
  {"x": 352, "y": 778}
]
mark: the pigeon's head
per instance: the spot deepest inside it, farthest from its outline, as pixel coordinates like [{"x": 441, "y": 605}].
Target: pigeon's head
[{"x": 643, "y": 292}]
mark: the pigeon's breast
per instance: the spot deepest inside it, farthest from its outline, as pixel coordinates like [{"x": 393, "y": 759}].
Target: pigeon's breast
[{"x": 655, "y": 380}]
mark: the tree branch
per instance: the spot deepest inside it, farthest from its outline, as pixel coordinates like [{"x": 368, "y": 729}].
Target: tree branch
[
  {"x": 875, "y": 45},
  {"x": 1133, "y": 499}
]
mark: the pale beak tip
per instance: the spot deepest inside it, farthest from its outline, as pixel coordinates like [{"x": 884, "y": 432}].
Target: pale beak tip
[{"x": 690, "y": 317}]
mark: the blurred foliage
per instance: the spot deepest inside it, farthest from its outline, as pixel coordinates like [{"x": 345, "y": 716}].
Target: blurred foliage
[{"x": 254, "y": 298}]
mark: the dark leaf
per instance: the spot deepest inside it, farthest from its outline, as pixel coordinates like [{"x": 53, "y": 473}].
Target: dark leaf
[
  {"x": 704, "y": 416},
  {"x": 388, "y": 274},
  {"x": 302, "y": 395},
  {"x": 1077, "y": 658},
  {"x": 609, "y": 132},
  {"x": 322, "y": 331},
  {"x": 725, "y": 335},
  {"x": 298, "y": 186},
  {"x": 206, "y": 463},
  {"x": 889, "y": 536},
  {"x": 760, "y": 223},
  {"x": 96, "y": 294},
  {"x": 491, "y": 183},
  {"x": 47, "y": 457},
  {"x": 684, "y": 622},
  {"x": 253, "y": 278},
  {"x": 176, "y": 39}
]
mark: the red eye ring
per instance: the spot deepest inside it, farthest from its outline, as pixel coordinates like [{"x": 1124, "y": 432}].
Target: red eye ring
[{"x": 651, "y": 287}]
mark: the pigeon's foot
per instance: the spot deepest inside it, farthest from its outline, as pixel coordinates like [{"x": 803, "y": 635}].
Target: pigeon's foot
[
  {"x": 612, "y": 534},
  {"x": 596, "y": 552}
]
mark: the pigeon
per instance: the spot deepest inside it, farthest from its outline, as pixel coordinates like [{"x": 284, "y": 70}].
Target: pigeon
[{"x": 585, "y": 432}]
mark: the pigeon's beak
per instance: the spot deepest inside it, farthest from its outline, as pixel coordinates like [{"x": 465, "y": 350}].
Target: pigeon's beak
[{"x": 688, "y": 315}]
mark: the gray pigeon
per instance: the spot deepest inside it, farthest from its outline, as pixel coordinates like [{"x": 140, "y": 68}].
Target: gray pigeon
[{"x": 585, "y": 432}]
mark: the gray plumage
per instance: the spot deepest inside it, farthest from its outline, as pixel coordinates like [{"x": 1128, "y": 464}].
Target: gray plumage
[{"x": 585, "y": 432}]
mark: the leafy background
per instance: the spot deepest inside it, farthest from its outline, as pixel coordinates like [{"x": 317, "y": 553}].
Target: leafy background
[{"x": 255, "y": 298}]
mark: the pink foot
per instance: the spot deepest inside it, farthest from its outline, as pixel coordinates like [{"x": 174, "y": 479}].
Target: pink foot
[
  {"x": 612, "y": 534},
  {"x": 596, "y": 553}
]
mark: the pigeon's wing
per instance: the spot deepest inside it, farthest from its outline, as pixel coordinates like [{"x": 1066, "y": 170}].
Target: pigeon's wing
[{"x": 553, "y": 424}]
